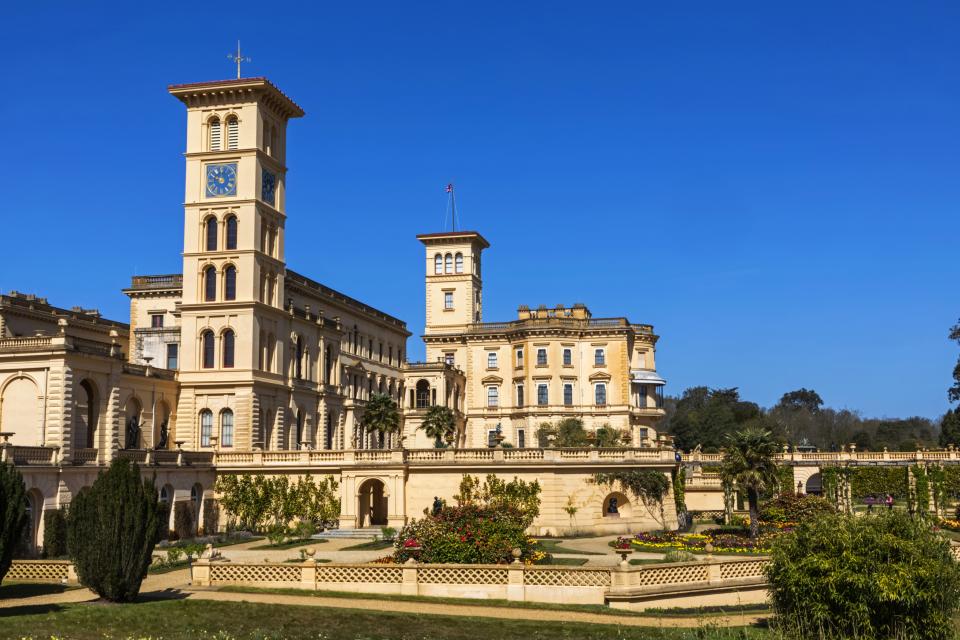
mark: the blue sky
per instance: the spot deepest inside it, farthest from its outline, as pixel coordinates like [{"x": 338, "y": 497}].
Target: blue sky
[{"x": 775, "y": 188}]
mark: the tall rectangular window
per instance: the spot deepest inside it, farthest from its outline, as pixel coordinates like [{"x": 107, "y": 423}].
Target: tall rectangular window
[
  {"x": 541, "y": 357},
  {"x": 206, "y": 427},
  {"x": 600, "y": 394},
  {"x": 599, "y": 357},
  {"x": 520, "y": 358},
  {"x": 519, "y": 395},
  {"x": 642, "y": 396},
  {"x": 493, "y": 397},
  {"x": 521, "y": 439},
  {"x": 156, "y": 320},
  {"x": 173, "y": 351},
  {"x": 492, "y": 360},
  {"x": 542, "y": 397},
  {"x": 226, "y": 428},
  {"x": 448, "y": 358},
  {"x": 448, "y": 300},
  {"x": 567, "y": 394},
  {"x": 567, "y": 357}
]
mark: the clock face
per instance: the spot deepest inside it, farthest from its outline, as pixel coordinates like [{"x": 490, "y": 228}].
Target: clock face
[
  {"x": 269, "y": 189},
  {"x": 221, "y": 180}
]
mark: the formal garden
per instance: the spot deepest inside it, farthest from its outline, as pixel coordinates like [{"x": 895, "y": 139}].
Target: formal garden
[{"x": 834, "y": 572}]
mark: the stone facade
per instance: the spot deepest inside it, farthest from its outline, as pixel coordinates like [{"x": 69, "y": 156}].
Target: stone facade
[{"x": 240, "y": 364}]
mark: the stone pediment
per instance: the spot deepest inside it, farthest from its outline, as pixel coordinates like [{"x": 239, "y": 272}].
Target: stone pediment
[
  {"x": 492, "y": 380},
  {"x": 599, "y": 376}
]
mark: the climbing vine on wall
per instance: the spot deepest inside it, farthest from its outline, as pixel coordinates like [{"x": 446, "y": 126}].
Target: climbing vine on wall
[
  {"x": 921, "y": 490},
  {"x": 679, "y": 490}
]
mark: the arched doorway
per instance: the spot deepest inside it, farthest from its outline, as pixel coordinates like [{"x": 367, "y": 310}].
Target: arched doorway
[
  {"x": 34, "y": 521},
  {"x": 815, "y": 484},
  {"x": 19, "y": 412},
  {"x": 372, "y": 504},
  {"x": 88, "y": 415}
]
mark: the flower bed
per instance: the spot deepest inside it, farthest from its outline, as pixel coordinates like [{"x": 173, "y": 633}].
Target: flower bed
[{"x": 724, "y": 541}]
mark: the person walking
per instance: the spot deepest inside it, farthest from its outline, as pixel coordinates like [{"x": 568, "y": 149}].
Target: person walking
[
  {"x": 889, "y": 502},
  {"x": 870, "y": 500}
]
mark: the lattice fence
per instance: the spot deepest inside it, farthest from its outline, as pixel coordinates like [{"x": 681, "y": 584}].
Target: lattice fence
[
  {"x": 360, "y": 574},
  {"x": 747, "y": 569},
  {"x": 462, "y": 575},
  {"x": 680, "y": 574},
  {"x": 38, "y": 570},
  {"x": 229, "y": 572},
  {"x": 572, "y": 578}
]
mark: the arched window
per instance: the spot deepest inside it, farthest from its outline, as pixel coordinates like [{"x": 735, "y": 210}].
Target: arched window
[
  {"x": 214, "y": 134},
  {"x": 233, "y": 132},
  {"x": 448, "y": 263},
  {"x": 231, "y": 232},
  {"x": 211, "y": 230},
  {"x": 209, "y": 284},
  {"x": 298, "y": 366},
  {"x": 600, "y": 394},
  {"x": 206, "y": 427},
  {"x": 208, "y": 345},
  {"x": 226, "y": 428},
  {"x": 458, "y": 259},
  {"x": 229, "y": 338},
  {"x": 230, "y": 283},
  {"x": 422, "y": 396},
  {"x": 438, "y": 263}
]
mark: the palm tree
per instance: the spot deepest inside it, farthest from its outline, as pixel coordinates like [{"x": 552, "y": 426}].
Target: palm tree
[
  {"x": 439, "y": 424},
  {"x": 749, "y": 460},
  {"x": 381, "y": 415}
]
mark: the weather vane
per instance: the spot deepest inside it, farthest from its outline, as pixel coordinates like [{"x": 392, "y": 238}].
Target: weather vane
[{"x": 238, "y": 58}]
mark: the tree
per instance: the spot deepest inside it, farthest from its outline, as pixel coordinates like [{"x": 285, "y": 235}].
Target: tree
[
  {"x": 569, "y": 432},
  {"x": 801, "y": 399},
  {"x": 439, "y": 423},
  {"x": 13, "y": 514},
  {"x": 953, "y": 393},
  {"x": 705, "y": 416},
  {"x": 381, "y": 415},
  {"x": 886, "y": 576},
  {"x": 950, "y": 428},
  {"x": 607, "y": 436},
  {"x": 112, "y": 528},
  {"x": 748, "y": 460}
]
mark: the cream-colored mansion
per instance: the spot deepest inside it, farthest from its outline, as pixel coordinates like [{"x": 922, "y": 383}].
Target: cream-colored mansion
[{"x": 241, "y": 365}]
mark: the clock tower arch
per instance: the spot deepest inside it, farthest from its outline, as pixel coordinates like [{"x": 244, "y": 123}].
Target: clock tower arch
[{"x": 233, "y": 251}]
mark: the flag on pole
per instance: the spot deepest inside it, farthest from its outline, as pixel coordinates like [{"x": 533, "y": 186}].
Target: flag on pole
[{"x": 450, "y": 187}]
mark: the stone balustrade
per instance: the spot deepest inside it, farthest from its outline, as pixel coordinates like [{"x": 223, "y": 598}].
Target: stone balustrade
[{"x": 827, "y": 458}]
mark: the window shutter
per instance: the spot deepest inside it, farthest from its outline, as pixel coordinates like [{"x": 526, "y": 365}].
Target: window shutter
[
  {"x": 214, "y": 135},
  {"x": 233, "y": 133}
]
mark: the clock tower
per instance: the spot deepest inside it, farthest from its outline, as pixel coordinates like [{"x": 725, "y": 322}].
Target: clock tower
[{"x": 233, "y": 259}]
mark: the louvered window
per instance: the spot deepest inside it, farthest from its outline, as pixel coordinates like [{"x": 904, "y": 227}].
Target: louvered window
[
  {"x": 215, "y": 134},
  {"x": 233, "y": 133}
]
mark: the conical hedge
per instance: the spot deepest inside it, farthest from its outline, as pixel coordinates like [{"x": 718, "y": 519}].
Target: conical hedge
[
  {"x": 111, "y": 531},
  {"x": 13, "y": 514}
]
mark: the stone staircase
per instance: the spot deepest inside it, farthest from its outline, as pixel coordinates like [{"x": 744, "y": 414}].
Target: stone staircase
[{"x": 366, "y": 533}]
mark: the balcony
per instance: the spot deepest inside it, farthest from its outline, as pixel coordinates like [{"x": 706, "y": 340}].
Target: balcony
[{"x": 172, "y": 281}]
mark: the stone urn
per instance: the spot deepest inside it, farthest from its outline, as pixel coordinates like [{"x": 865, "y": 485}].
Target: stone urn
[{"x": 624, "y": 552}]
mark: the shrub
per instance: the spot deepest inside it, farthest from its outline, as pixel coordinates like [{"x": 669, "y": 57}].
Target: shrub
[
  {"x": 55, "y": 533},
  {"x": 111, "y": 531},
  {"x": 889, "y": 576},
  {"x": 183, "y": 520},
  {"x": 13, "y": 514},
  {"x": 678, "y": 555},
  {"x": 791, "y": 507}
]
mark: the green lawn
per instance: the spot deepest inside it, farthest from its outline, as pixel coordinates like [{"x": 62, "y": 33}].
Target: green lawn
[
  {"x": 372, "y": 545},
  {"x": 556, "y": 546},
  {"x": 166, "y": 620},
  {"x": 289, "y": 544}
]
